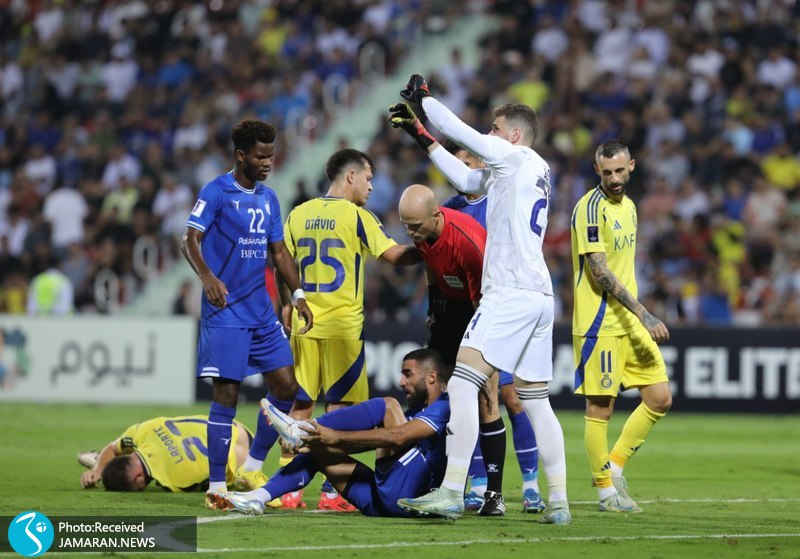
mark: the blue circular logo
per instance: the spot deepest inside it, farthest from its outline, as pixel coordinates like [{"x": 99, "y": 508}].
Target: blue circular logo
[{"x": 31, "y": 533}]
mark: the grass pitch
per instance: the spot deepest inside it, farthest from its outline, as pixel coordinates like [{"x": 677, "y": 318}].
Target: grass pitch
[{"x": 710, "y": 485}]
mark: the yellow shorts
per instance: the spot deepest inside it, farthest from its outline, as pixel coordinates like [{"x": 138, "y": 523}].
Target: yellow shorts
[
  {"x": 605, "y": 363},
  {"x": 336, "y": 367}
]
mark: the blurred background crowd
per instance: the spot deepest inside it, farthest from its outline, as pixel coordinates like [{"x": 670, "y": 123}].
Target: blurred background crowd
[{"x": 115, "y": 112}]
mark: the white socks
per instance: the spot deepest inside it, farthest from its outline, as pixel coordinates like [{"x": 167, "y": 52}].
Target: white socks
[
  {"x": 252, "y": 465},
  {"x": 531, "y": 484},
  {"x": 261, "y": 494},
  {"x": 550, "y": 439},
  {"x": 478, "y": 489},
  {"x": 463, "y": 426}
]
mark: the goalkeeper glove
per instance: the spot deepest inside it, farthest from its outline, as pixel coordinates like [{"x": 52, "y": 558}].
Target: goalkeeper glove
[
  {"x": 416, "y": 90},
  {"x": 402, "y": 116}
]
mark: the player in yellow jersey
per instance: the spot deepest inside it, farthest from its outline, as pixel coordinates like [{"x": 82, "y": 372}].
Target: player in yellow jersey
[
  {"x": 172, "y": 451},
  {"x": 330, "y": 238},
  {"x": 614, "y": 336}
]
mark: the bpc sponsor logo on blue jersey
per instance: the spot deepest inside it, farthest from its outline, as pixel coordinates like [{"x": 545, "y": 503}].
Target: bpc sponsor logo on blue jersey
[{"x": 30, "y": 533}]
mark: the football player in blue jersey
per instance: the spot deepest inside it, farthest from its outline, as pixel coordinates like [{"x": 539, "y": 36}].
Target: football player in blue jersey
[
  {"x": 234, "y": 226},
  {"x": 410, "y": 446}
]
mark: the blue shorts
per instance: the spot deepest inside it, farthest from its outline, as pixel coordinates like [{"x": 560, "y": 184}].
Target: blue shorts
[
  {"x": 395, "y": 477},
  {"x": 236, "y": 353},
  {"x": 505, "y": 379}
]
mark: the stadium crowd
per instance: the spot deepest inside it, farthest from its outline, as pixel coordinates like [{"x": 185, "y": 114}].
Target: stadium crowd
[
  {"x": 115, "y": 112},
  {"x": 707, "y": 96}
]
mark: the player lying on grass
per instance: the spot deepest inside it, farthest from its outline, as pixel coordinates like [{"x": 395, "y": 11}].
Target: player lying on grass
[
  {"x": 410, "y": 447},
  {"x": 172, "y": 451}
]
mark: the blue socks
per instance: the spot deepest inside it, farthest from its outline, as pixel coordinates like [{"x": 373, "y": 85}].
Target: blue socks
[
  {"x": 218, "y": 431},
  {"x": 359, "y": 417},
  {"x": 266, "y": 435},
  {"x": 293, "y": 476},
  {"x": 525, "y": 446},
  {"x": 477, "y": 471}
]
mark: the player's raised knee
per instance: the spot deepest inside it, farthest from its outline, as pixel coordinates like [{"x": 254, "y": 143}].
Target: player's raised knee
[{"x": 394, "y": 412}]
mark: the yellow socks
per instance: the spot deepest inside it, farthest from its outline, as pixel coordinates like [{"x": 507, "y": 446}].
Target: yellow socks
[
  {"x": 634, "y": 433},
  {"x": 595, "y": 437}
]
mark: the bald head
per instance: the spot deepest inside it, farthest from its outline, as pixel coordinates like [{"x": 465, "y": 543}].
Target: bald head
[
  {"x": 419, "y": 212},
  {"x": 417, "y": 201}
]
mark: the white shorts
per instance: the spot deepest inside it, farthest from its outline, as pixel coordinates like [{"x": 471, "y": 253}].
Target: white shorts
[{"x": 513, "y": 329}]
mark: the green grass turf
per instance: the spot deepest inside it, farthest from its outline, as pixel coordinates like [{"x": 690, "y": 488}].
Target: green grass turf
[{"x": 688, "y": 478}]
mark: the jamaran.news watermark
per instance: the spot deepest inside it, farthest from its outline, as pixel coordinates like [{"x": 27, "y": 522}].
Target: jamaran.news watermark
[{"x": 31, "y": 533}]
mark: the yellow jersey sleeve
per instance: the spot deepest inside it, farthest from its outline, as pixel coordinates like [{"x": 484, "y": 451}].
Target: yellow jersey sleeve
[
  {"x": 127, "y": 442},
  {"x": 373, "y": 236},
  {"x": 288, "y": 238},
  {"x": 587, "y": 230},
  {"x": 600, "y": 225}
]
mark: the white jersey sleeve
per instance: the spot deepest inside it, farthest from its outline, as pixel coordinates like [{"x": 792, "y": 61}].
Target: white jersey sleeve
[
  {"x": 491, "y": 149},
  {"x": 518, "y": 195},
  {"x": 466, "y": 180}
]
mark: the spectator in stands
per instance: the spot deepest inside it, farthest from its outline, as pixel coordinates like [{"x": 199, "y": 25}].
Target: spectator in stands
[
  {"x": 50, "y": 292},
  {"x": 184, "y": 301},
  {"x": 121, "y": 164},
  {"x": 120, "y": 202},
  {"x": 91, "y": 77},
  {"x": 65, "y": 209},
  {"x": 714, "y": 305},
  {"x": 782, "y": 168},
  {"x": 40, "y": 168},
  {"x": 171, "y": 204}
]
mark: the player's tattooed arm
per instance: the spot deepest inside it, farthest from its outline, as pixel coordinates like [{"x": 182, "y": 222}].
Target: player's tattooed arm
[{"x": 606, "y": 279}]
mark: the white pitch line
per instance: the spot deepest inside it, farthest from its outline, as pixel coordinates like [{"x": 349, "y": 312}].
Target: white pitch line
[
  {"x": 235, "y": 516},
  {"x": 705, "y": 500},
  {"x": 460, "y": 543},
  {"x": 239, "y": 516}
]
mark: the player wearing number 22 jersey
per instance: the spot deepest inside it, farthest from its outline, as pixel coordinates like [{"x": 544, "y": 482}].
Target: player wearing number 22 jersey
[
  {"x": 231, "y": 231},
  {"x": 330, "y": 238}
]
